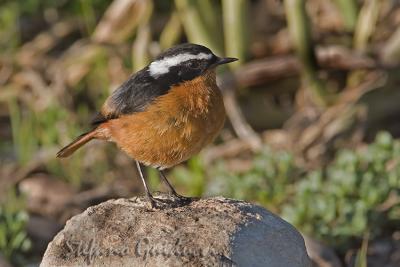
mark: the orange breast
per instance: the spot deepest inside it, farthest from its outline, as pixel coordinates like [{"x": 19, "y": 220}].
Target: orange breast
[{"x": 175, "y": 127}]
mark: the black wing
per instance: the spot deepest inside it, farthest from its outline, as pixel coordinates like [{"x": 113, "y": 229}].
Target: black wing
[{"x": 132, "y": 96}]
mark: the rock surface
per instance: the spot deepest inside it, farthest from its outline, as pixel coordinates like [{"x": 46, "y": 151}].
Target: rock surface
[{"x": 206, "y": 232}]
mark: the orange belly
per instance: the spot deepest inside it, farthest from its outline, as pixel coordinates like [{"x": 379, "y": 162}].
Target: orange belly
[{"x": 173, "y": 128}]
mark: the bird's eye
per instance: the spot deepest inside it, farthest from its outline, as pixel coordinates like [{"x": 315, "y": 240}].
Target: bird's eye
[{"x": 193, "y": 64}]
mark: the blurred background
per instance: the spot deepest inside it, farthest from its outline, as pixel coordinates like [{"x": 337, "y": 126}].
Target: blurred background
[{"x": 313, "y": 115}]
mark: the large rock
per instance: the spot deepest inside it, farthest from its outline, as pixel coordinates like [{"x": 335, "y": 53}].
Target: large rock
[{"x": 205, "y": 232}]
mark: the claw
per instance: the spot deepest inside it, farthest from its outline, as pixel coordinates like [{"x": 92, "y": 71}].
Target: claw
[{"x": 152, "y": 202}]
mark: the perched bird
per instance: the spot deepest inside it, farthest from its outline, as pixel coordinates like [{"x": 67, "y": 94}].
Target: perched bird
[{"x": 163, "y": 114}]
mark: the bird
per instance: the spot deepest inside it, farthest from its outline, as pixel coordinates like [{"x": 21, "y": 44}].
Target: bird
[{"x": 163, "y": 114}]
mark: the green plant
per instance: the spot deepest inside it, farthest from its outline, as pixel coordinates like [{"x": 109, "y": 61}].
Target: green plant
[
  {"x": 300, "y": 34},
  {"x": 13, "y": 236},
  {"x": 192, "y": 177},
  {"x": 357, "y": 193},
  {"x": 348, "y": 9},
  {"x": 188, "y": 179},
  {"x": 353, "y": 196},
  {"x": 235, "y": 29},
  {"x": 268, "y": 180},
  {"x": 196, "y": 24},
  {"x": 9, "y": 38}
]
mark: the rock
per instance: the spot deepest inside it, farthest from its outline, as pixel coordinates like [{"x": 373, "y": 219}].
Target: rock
[{"x": 206, "y": 232}]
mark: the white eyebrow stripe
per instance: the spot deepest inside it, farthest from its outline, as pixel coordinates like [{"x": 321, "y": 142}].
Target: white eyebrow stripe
[{"x": 162, "y": 66}]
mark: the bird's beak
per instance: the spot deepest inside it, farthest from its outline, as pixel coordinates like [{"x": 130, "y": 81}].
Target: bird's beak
[{"x": 226, "y": 60}]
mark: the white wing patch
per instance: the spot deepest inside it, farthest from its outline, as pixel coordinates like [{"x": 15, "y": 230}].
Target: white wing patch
[{"x": 159, "y": 67}]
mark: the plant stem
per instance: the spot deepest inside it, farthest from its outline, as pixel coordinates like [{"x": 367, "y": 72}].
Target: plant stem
[
  {"x": 140, "y": 53},
  {"x": 348, "y": 8},
  {"x": 365, "y": 27},
  {"x": 300, "y": 32},
  {"x": 366, "y": 24},
  {"x": 391, "y": 49},
  {"x": 195, "y": 29},
  {"x": 235, "y": 29},
  {"x": 171, "y": 32}
]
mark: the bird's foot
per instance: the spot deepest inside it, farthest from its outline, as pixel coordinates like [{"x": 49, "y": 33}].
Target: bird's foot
[
  {"x": 180, "y": 199},
  {"x": 162, "y": 200},
  {"x": 152, "y": 201}
]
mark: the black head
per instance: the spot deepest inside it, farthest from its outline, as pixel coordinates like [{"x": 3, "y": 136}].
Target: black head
[{"x": 184, "y": 62}]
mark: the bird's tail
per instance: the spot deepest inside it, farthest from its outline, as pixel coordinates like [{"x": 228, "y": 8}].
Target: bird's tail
[{"x": 77, "y": 143}]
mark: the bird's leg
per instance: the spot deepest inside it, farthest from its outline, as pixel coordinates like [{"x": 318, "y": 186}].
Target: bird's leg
[
  {"x": 170, "y": 188},
  {"x": 146, "y": 188}
]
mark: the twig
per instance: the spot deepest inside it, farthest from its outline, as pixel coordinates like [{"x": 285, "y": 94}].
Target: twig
[
  {"x": 261, "y": 71},
  {"x": 239, "y": 123},
  {"x": 228, "y": 149}
]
